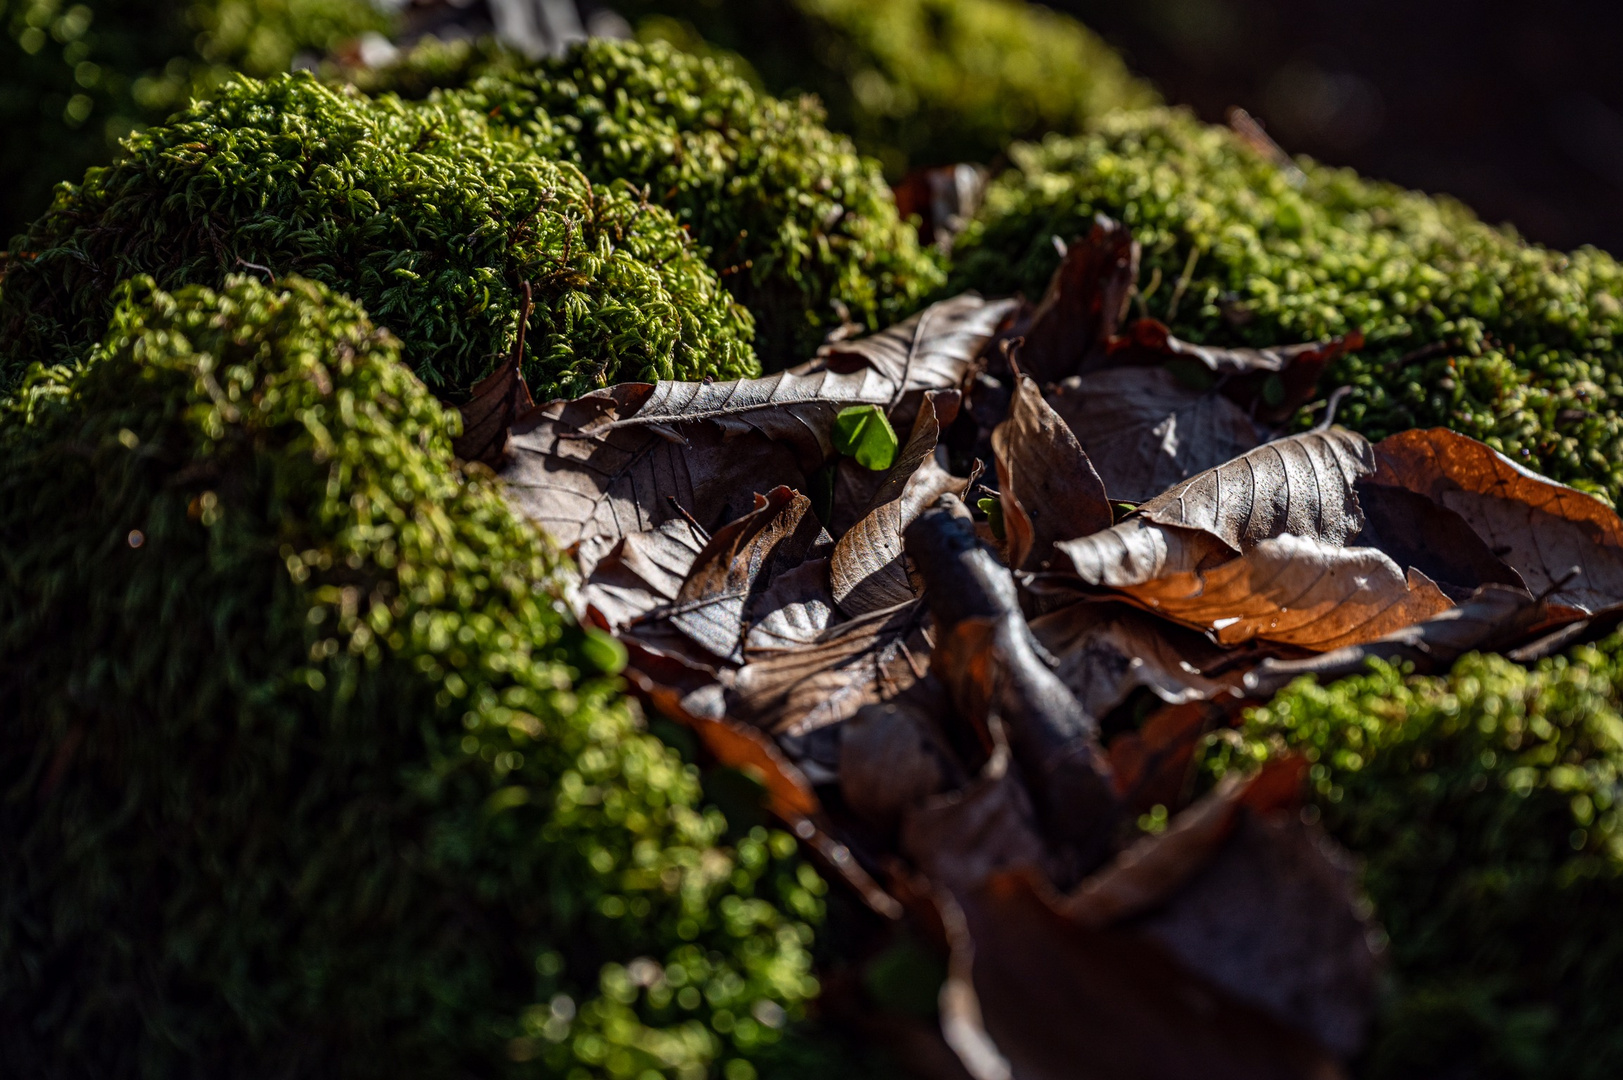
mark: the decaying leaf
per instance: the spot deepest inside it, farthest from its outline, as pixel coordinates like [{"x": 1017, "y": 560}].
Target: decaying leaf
[
  {"x": 1144, "y": 430},
  {"x": 868, "y": 659},
  {"x": 794, "y": 610},
  {"x": 1049, "y": 489},
  {"x": 893, "y": 756},
  {"x": 496, "y": 401},
  {"x": 1417, "y": 532},
  {"x": 932, "y": 350},
  {"x": 1542, "y": 529},
  {"x": 641, "y": 572},
  {"x": 1083, "y": 304}
]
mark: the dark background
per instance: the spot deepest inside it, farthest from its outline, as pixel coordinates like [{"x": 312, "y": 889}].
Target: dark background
[{"x": 1514, "y": 107}]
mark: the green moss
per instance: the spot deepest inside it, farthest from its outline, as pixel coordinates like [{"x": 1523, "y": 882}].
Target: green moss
[
  {"x": 75, "y": 77},
  {"x": 303, "y": 768},
  {"x": 1524, "y": 339},
  {"x": 790, "y": 216},
  {"x": 1486, "y": 805},
  {"x": 423, "y": 213},
  {"x": 921, "y": 82}
]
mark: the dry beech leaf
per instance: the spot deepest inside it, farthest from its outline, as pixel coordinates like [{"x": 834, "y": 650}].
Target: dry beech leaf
[
  {"x": 1052, "y": 993},
  {"x": 1417, "y": 532},
  {"x": 1542, "y": 529},
  {"x": 1106, "y": 650},
  {"x": 736, "y": 564},
  {"x": 793, "y": 611},
  {"x": 496, "y": 402},
  {"x": 871, "y": 658},
  {"x": 640, "y": 572},
  {"x": 867, "y": 570},
  {"x": 1145, "y": 431},
  {"x": 931, "y": 351},
  {"x": 789, "y": 795},
  {"x": 1083, "y": 304},
  {"x": 1297, "y": 591},
  {"x": 584, "y": 481},
  {"x": 1049, "y": 489},
  {"x": 1302, "y": 485},
  {"x": 1493, "y": 619},
  {"x": 961, "y": 838}
]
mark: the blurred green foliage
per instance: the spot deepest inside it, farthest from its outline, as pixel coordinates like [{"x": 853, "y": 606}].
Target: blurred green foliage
[
  {"x": 790, "y": 216},
  {"x": 77, "y": 77},
  {"x": 426, "y": 213},
  {"x": 917, "y": 82},
  {"x": 305, "y": 770},
  {"x": 1468, "y": 326},
  {"x": 1487, "y": 806}
]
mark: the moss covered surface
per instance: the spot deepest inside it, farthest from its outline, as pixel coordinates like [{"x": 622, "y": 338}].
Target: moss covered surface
[
  {"x": 75, "y": 77},
  {"x": 791, "y": 217},
  {"x": 1488, "y": 808},
  {"x": 424, "y": 213},
  {"x": 920, "y": 82},
  {"x": 1468, "y": 326},
  {"x": 305, "y": 771}
]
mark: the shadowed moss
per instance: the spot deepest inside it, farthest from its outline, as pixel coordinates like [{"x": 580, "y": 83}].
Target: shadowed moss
[
  {"x": 1469, "y": 327},
  {"x": 790, "y": 216},
  {"x": 305, "y": 769},
  {"x": 423, "y": 212},
  {"x": 76, "y": 77},
  {"x": 1485, "y": 805},
  {"x": 919, "y": 82}
]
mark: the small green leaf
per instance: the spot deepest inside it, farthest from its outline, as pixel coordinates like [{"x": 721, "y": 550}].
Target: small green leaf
[
  {"x": 605, "y": 653},
  {"x": 862, "y": 432},
  {"x": 992, "y": 507}
]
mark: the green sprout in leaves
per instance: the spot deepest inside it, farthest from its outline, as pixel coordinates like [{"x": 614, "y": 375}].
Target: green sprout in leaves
[{"x": 863, "y": 433}]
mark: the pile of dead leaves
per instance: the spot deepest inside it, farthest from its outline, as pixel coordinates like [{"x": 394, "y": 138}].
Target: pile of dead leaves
[{"x": 984, "y": 722}]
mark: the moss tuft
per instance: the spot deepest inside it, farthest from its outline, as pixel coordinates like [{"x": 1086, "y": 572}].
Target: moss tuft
[
  {"x": 1469, "y": 327},
  {"x": 920, "y": 82},
  {"x": 791, "y": 218},
  {"x": 425, "y": 213},
  {"x": 303, "y": 769},
  {"x": 77, "y": 77},
  {"x": 1488, "y": 808}
]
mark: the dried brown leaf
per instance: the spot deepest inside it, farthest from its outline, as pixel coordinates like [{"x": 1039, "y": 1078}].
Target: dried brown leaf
[
  {"x": 640, "y": 572},
  {"x": 1083, "y": 304},
  {"x": 1542, "y": 529},
  {"x": 736, "y": 564},
  {"x": 961, "y": 838},
  {"x": 794, "y": 610},
  {"x": 871, "y": 658},
  {"x": 932, "y": 350},
  {"x": 1433, "y": 539},
  {"x": 894, "y": 755},
  {"x": 496, "y": 402},
  {"x": 1297, "y": 591},
  {"x": 1049, "y": 491},
  {"x": 1145, "y": 431},
  {"x": 1493, "y": 619},
  {"x": 582, "y": 487}
]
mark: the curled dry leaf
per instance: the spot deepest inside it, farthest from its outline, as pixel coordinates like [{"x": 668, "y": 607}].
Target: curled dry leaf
[
  {"x": 1542, "y": 529},
  {"x": 1049, "y": 491},
  {"x": 960, "y": 838},
  {"x": 1144, "y": 430},
  {"x": 794, "y": 610},
  {"x": 497, "y": 400},
  {"x": 1083, "y": 304},
  {"x": 1301, "y": 485},
  {"x": 1417, "y": 532},
  {"x": 871, "y": 658},
  {"x": 932, "y": 350},
  {"x": 640, "y": 572},
  {"x": 735, "y": 565},
  {"x": 893, "y": 756},
  {"x": 1297, "y": 591}
]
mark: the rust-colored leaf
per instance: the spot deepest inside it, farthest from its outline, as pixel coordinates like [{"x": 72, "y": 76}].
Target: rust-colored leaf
[
  {"x": 1049, "y": 491},
  {"x": 496, "y": 401},
  {"x": 894, "y": 755},
  {"x": 1083, "y": 304},
  {"x": 1145, "y": 431},
  {"x": 1542, "y": 529}
]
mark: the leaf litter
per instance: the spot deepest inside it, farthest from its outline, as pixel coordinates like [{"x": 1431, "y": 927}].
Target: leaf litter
[{"x": 984, "y": 720}]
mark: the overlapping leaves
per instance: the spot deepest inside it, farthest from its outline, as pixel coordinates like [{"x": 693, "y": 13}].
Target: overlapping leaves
[{"x": 985, "y": 722}]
